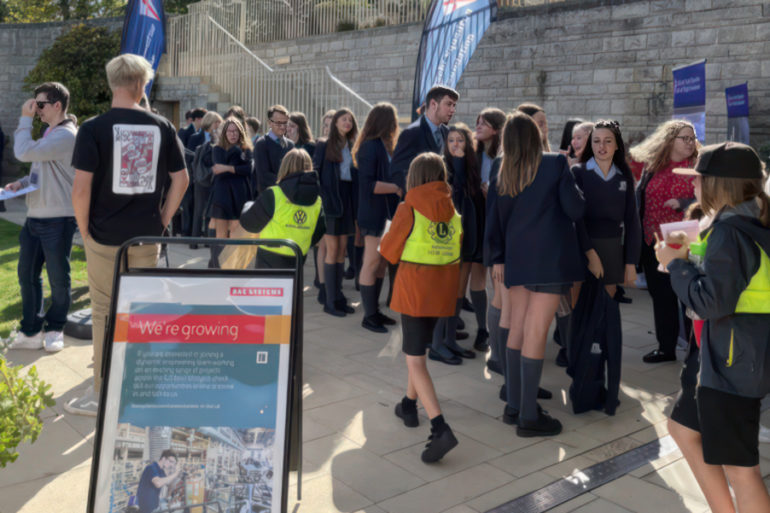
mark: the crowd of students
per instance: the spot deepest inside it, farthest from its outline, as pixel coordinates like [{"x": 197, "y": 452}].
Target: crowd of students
[{"x": 442, "y": 209}]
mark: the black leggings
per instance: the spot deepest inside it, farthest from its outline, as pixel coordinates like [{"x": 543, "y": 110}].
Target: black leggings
[{"x": 665, "y": 304}]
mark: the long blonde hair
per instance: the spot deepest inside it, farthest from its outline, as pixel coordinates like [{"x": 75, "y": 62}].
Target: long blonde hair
[
  {"x": 426, "y": 167},
  {"x": 295, "y": 161},
  {"x": 655, "y": 151},
  {"x": 522, "y": 154},
  {"x": 719, "y": 192}
]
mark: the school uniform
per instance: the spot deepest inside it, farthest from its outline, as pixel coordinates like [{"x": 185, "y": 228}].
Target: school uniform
[
  {"x": 373, "y": 165},
  {"x": 610, "y": 225},
  {"x": 269, "y": 151},
  {"x": 231, "y": 191},
  {"x": 339, "y": 183},
  {"x": 309, "y": 147},
  {"x": 533, "y": 234},
  {"x": 419, "y": 137}
]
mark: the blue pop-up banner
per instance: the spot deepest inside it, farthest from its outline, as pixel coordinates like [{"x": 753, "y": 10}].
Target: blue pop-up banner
[
  {"x": 690, "y": 95},
  {"x": 737, "y": 98}
]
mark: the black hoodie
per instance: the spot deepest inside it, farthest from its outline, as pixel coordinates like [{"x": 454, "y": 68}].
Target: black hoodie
[{"x": 299, "y": 188}]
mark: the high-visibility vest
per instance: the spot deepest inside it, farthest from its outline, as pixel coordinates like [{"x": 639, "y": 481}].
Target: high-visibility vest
[
  {"x": 756, "y": 298},
  {"x": 433, "y": 243},
  {"x": 290, "y": 221}
]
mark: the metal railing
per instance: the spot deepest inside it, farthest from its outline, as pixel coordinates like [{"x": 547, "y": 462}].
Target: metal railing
[{"x": 199, "y": 46}]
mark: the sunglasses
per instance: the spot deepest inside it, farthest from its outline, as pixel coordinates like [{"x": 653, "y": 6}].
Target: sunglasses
[{"x": 41, "y": 105}]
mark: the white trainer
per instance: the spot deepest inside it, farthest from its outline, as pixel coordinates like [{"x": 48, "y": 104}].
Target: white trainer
[
  {"x": 54, "y": 341},
  {"x": 23, "y": 341},
  {"x": 87, "y": 404},
  {"x": 764, "y": 434}
]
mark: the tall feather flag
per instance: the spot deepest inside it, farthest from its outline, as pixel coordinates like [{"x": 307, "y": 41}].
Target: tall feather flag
[{"x": 144, "y": 32}]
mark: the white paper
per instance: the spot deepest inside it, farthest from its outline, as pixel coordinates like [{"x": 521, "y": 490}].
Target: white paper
[
  {"x": 6, "y": 194},
  {"x": 691, "y": 228}
]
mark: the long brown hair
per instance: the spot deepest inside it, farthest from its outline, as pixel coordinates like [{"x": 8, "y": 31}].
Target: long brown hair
[
  {"x": 655, "y": 151},
  {"x": 304, "y": 135},
  {"x": 496, "y": 119},
  {"x": 522, "y": 154},
  {"x": 473, "y": 181},
  {"x": 381, "y": 123},
  {"x": 243, "y": 142},
  {"x": 426, "y": 167},
  {"x": 719, "y": 192},
  {"x": 336, "y": 140},
  {"x": 531, "y": 109}
]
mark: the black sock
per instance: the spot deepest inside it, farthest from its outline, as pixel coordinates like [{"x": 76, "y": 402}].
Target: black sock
[
  {"x": 502, "y": 344},
  {"x": 513, "y": 378},
  {"x": 315, "y": 265},
  {"x": 494, "y": 334},
  {"x": 369, "y": 299},
  {"x": 531, "y": 370},
  {"x": 479, "y": 300},
  {"x": 351, "y": 252},
  {"x": 450, "y": 337},
  {"x": 340, "y": 274},
  {"x": 378, "y": 290},
  {"x": 408, "y": 405},
  {"x": 438, "y": 424},
  {"x": 330, "y": 283}
]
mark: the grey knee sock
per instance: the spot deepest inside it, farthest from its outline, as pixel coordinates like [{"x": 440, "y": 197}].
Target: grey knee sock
[
  {"x": 340, "y": 275},
  {"x": 450, "y": 338},
  {"x": 531, "y": 370},
  {"x": 439, "y": 332},
  {"x": 369, "y": 299},
  {"x": 513, "y": 378},
  {"x": 494, "y": 334},
  {"x": 479, "y": 300},
  {"x": 330, "y": 283}
]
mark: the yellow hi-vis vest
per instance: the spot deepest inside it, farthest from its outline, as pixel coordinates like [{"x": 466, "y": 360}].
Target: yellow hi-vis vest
[
  {"x": 290, "y": 221},
  {"x": 433, "y": 243},
  {"x": 756, "y": 297}
]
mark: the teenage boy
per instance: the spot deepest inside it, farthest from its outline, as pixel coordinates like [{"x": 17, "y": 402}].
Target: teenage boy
[
  {"x": 46, "y": 236},
  {"x": 271, "y": 147},
  {"x": 189, "y": 129},
  {"x": 122, "y": 161}
]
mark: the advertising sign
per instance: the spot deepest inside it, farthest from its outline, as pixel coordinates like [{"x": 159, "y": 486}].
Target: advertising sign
[
  {"x": 690, "y": 96},
  {"x": 737, "y": 98},
  {"x": 195, "y": 413}
]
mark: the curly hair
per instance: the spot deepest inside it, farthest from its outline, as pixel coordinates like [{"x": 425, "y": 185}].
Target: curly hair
[{"x": 655, "y": 151}]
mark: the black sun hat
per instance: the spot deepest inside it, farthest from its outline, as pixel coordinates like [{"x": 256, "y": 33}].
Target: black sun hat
[{"x": 727, "y": 160}]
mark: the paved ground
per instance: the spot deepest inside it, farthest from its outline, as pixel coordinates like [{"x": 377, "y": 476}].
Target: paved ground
[{"x": 359, "y": 458}]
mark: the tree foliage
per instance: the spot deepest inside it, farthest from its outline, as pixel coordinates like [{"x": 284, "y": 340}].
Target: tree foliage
[
  {"x": 37, "y": 11},
  {"x": 77, "y": 59}
]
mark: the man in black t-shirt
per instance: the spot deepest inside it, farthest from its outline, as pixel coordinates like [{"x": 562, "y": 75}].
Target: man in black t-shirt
[{"x": 122, "y": 161}]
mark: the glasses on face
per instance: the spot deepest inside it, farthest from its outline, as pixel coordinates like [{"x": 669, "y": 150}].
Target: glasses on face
[
  {"x": 279, "y": 123},
  {"x": 687, "y": 139},
  {"x": 41, "y": 104}
]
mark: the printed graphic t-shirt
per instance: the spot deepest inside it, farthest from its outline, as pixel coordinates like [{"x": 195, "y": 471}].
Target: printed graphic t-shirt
[{"x": 130, "y": 153}]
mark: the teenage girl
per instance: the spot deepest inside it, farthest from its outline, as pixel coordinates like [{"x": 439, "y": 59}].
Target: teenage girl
[
  {"x": 319, "y": 251},
  {"x": 530, "y": 241},
  {"x": 425, "y": 240},
  {"x": 333, "y": 161},
  {"x": 233, "y": 170},
  {"x": 727, "y": 285}
]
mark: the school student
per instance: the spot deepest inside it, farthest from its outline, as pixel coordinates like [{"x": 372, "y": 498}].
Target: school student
[
  {"x": 530, "y": 242},
  {"x": 298, "y": 131},
  {"x": 270, "y": 148},
  {"x": 726, "y": 283},
  {"x": 291, "y": 210},
  {"x": 233, "y": 167},
  {"x": 338, "y": 176},
  {"x": 537, "y": 113},
  {"x": 425, "y": 240},
  {"x": 372, "y": 153}
]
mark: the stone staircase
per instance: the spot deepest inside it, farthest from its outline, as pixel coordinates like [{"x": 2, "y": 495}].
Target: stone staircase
[{"x": 190, "y": 92}]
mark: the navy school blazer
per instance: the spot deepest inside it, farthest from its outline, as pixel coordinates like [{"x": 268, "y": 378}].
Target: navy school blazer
[
  {"x": 415, "y": 139},
  {"x": 268, "y": 155},
  {"x": 329, "y": 180},
  {"x": 373, "y": 165}
]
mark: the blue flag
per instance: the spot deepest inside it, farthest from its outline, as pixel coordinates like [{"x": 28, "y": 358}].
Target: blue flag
[
  {"x": 690, "y": 96},
  {"x": 144, "y": 32},
  {"x": 738, "y": 113},
  {"x": 452, "y": 31}
]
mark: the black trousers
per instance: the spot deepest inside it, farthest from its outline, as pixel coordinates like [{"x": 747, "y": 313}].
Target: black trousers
[
  {"x": 665, "y": 304},
  {"x": 200, "y": 202}
]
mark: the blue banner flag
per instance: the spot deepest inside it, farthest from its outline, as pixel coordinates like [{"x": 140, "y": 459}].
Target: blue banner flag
[
  {"x": 144, "y": 32},
  {"x": 690, "y": 96},
  {"x": 452, "y": 31},
  {"x": 737, "y": 98}
]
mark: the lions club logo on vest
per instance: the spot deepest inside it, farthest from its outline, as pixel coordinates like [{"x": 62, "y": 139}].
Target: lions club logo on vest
[
  {"x": 300, "y": 217},
  {"x": 441, "y": 232}
]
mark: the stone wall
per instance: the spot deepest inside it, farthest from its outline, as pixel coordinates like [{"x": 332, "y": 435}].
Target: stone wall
[
  {"x": 584, "y": 58},
  {"x": 20, "y": 47}
]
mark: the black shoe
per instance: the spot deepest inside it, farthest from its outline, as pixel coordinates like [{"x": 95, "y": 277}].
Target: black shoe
[
  {"x": 409, "y": 417},
  {"x": 622, "y": 298},
  {"x": 460, "y": 323},
  {"x": 467, "y": 305},
  {"x": 461, "y": 335},
  {"x": 436, "y": 356},
  {"x": 350, "y": 273},
  {"x": 439, "y": 445},
  {"x": 193, "y": 246},
  {"x": 384, "y": 319},
  {"x": 463, "y": 353},
  {"x": 545, "y": 425},
  {"x": 561, "y": 358},
  {"x": 494, "y": 366},
  {"x": 343, "y": 306},
  {"x": 334, "y": 312},
  {"x": 658, "y": 356},
  {"x": 480, "y": 344},
  {"x": 542, "y": 393},
  {"x": 503, "y": 394},
  {"x": 510, "y": 416},
  {"x": 357, "y": 284},
  {"x": 317, "y": 284},
  {"x": 371, "y": 324},
  {"x": 322, "y": 295}
]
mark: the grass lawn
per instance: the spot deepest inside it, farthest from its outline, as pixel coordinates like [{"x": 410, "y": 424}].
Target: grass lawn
[{"x": 10, "y": 296}]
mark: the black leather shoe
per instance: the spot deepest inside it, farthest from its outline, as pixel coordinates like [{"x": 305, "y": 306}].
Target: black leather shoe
[
  {"x": 343, "y": 306},
  {"x": 334, "y": 312},
  {"x": 461, "y": 335},
  {"x": 467, "y": 305},
  {"x": 494, "y": 366},
  {"x": 409, "y": 417},
  {"x": 463, "y": 353},
  {"x": 384, "y": 319},
  {"x": 438, "y": 445},
  {"x": 480, "y": 344},
  {"x": 510, "y": 416},
  {"x": 350, "y": 273},
  {"x": 561, "y": 358},
  {"x": 436, "y": 356},
  {"x": 371, "y": 324},
  {"x": 542, "y": 393},
  {"x": 545, "y": 425},
  {"x": 322, "y": 295},
  {"x": 658, "y": 356}
]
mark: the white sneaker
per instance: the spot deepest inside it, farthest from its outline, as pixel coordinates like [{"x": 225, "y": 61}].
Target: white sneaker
[
  {"x": 764, "y": 434},
  {"x": 23, "y": 341},
  {"x": 54, "y": 341},
  {"x": 87, "y": 404}
]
